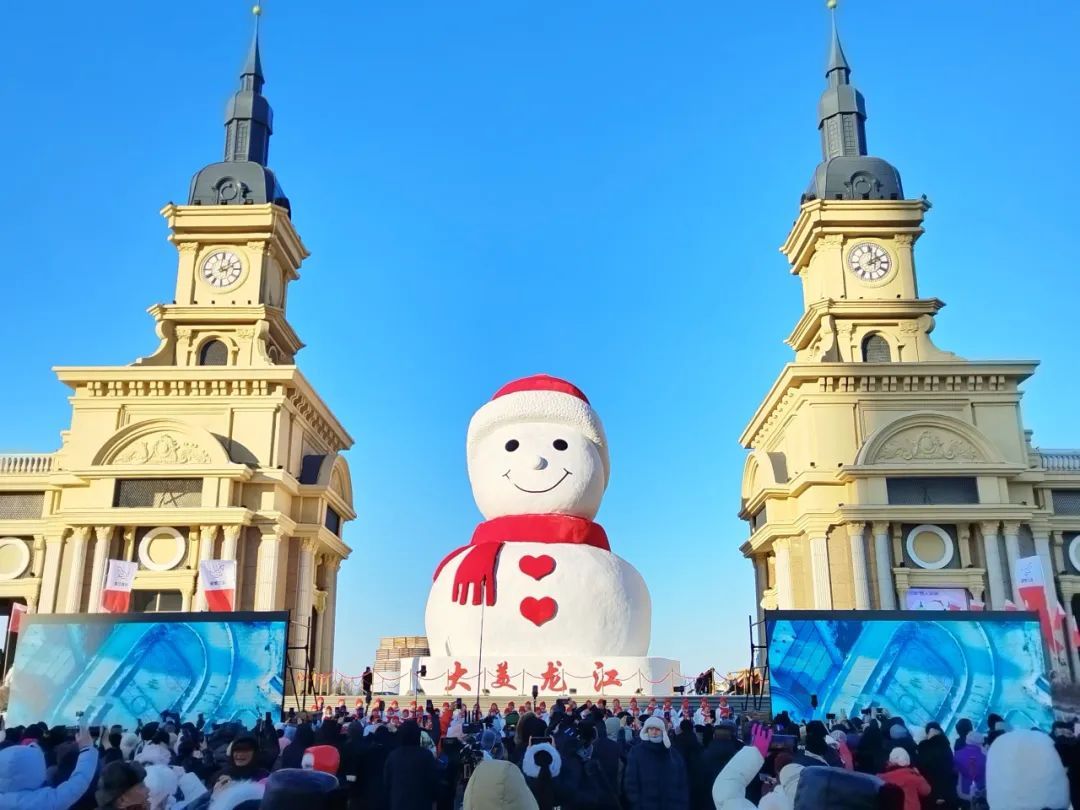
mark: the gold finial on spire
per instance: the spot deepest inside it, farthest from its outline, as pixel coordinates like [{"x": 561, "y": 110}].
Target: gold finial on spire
[
  {"x": 829, "y": 4},
  {"x": 257, "y": 9}
]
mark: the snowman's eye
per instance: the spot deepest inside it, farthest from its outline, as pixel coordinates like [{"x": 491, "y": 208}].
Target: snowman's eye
[
  {"x": 512, "y": 445},
  {"x": 559, "y": 444}
]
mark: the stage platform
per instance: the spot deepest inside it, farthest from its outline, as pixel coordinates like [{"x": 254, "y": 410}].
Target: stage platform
[{"x": 757, "y": 707}]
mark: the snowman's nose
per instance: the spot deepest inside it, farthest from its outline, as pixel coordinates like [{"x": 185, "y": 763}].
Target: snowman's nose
[{"x": 539, "y": 462}]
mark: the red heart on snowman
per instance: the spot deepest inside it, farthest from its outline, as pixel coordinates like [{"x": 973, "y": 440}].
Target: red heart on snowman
[
  {"x": 537, "y": 567},
  {"x": 539, "y": 611}
]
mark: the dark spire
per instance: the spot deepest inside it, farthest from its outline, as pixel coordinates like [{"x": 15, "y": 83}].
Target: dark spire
[
  {"x": 243, "y": 177},
  {"x": 248, "y": 117},
  {"x": 847, "y": 171}
]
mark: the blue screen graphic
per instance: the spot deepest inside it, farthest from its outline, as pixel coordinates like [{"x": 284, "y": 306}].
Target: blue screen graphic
[
  {"x": 933, "y": 667},
  {"x": 123, "y": 669}
]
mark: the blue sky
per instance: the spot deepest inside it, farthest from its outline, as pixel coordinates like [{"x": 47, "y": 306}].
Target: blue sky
[{"x": 595, "y": 190}]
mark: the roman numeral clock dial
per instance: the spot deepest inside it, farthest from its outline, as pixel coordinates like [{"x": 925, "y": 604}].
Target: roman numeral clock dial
[
  {"x": 869, "y": 261},
  {"x": 221, "y": 269}
]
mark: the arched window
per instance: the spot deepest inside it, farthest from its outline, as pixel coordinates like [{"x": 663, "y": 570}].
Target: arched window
[
  {"x": 214, "y": 353},
  {"x": 875, "y": 349}
]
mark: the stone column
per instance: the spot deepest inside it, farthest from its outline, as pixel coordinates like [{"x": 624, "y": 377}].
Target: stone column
[
  {"x": 1057, "y": 541},
  {"x": 266, "y": 573},
  {"x": 305, "y": 591},
  {"x": 883, "y": 560},
  {"x": 856, "y": 536},
  {"x": 785, "y": 592},
  {"x": 50, "y": 575},
  {"x": 761, "y": 581},
  {"x": 231, "y": 536},
  {"x": 1042, "y": 548},
  {"x": 1012, "y": 552},
  {"x": 38, "y": 562},
  {"x": 819, "y": 569},
  {"x": 71, "y": 599},
  {"x": 207, "y": 538},
  {"x": 102, "y": 542},
  {"x": 329, "y": 615},
  {"x": 994, "y": 577},
  {"x": 186, "y": 597}
]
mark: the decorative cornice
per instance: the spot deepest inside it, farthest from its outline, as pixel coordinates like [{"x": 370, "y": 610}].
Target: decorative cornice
[
  {"x": 162, "y": 448},
  {"x": 928, "y": 379},
  {"x": 810, "y": 323}
]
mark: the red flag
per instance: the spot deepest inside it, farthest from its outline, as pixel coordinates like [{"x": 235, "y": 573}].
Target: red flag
[
  {"x": 1075, "y": 632},
  {"x": 218, "y": 581},
  {"x": 1010, "y": 605},
  {"x": 1059, "y": 617},
  {"x": 18, "y": 610},
  {"x": 977, "y": 605},
  {"x": 119, "y": 578}
]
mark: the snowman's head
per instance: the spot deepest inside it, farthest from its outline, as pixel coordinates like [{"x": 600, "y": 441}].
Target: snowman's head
[{"x": 537, "y": 448}]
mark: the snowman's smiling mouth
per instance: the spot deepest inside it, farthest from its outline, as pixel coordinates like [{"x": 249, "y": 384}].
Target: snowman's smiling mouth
[{"x": 566, "y": 474}]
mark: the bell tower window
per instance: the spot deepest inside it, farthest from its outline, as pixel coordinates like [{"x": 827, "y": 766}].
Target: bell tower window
[
  {"x": 214, "y": 353},
  {"x": 875, "y": 349}
]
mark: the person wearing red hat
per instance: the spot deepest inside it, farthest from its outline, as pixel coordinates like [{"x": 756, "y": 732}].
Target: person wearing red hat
[{"x": 539, "y": 565}]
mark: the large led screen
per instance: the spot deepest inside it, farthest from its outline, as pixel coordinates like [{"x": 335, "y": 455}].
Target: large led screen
[
  {"x": 920, "y": 667},
  {"x": 123, "y": 668}
]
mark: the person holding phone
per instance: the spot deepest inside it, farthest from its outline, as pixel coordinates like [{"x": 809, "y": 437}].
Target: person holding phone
[{"x": 22, "y": 774}]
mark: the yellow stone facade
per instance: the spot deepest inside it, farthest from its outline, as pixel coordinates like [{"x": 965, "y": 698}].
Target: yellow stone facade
[
  {"x": 212, "y": 447},
  {"x": 879, "y": 463}
]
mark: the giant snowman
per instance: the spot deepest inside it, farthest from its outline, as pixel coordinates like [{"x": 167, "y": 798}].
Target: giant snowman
[{"x": 538, "y": 590}]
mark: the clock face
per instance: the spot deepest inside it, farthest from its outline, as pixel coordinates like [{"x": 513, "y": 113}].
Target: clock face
[
  {"x": 869, "y": 261},
  {"x": 221, "y": 268}
]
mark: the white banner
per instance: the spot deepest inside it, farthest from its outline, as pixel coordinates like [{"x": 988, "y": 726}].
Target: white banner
[{"x": 936, "y": 599}]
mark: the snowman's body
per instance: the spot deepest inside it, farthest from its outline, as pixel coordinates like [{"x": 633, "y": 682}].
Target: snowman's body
[{"x": 599, "y": 605}]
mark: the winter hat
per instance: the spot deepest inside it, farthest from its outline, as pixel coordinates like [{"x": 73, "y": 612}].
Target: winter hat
[
  {"x": 488, "y": 739},
  {"x": 539, "y": 398},
  {"x": 898, "y": 732},
  {"x": 154, "y": 754},
  {"x": 655, "y": 722},
  {"x": 290, "y": 788},
  {"x": 290, "y": 732},
  {"x": 128, "y": 744},
  {"x": 497, "y": 785},
  {"x": 1024, "y": 771},
  {"x": 323, "y": 758},
  {"x": 530, "y": 766},
  {"x": 900, "y": 758},
  {"x": 243, "y": 794},
  {"x": 612, "y": 726},
  {"x": 973, "y": 738}
]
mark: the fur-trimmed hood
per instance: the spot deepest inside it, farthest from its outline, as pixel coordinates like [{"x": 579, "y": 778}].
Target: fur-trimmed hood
[{"x": 1024, "y": 772}]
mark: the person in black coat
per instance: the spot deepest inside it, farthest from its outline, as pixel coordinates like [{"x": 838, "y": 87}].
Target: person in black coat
[
  {"x": 372, "y": 770},
  {"x": 870, "y": 756},
  {"x": 293, "y": 755},
  {"x": 936, "y": 766},
  {"x": 686, "y": 743},
  {"x": 409, "y": 773},
  {"x": 655, "y": 776},
  {"x": 719, "y": 752}
]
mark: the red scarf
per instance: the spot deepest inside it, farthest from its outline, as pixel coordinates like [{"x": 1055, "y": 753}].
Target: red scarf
[{"x": 477, "y": 570}]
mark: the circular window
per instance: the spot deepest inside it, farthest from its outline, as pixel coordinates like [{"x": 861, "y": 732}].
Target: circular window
[
  {"x": 930, "y": 547},
  {"x": 14, "y": 558},
  {"x": 1074, "y": 552},
  {"x": 162, "y": 549}
]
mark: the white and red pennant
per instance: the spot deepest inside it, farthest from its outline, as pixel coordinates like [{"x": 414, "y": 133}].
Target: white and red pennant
[
  {"x": 217, "y": 578},
  {"x": 119, "y": 579}
]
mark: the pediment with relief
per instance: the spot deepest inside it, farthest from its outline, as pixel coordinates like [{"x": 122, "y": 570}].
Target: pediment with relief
[
  {"x": 927, "y": 445},
  {"x": 162, "y": 448},
  {"x": 928, "y": 438}
]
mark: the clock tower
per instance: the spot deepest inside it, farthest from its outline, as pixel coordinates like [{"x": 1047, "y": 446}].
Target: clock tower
[
  {"x": 881, "y": 471},
  {"x": 238, "y": 249}
]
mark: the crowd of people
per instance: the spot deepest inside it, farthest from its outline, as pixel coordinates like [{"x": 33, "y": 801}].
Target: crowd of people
[{"x": 593, "y": 756}]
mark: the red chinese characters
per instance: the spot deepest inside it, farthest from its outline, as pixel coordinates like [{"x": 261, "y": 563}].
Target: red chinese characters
[
  {"x": 603, "y": 678},
  {"x": 502, "y": 677},
  {"x": 454, "y": 678},
  {"x": 553, "y": 681}
]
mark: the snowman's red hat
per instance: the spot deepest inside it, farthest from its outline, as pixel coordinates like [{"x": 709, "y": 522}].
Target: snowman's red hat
[{"x": 540, "y": 398}]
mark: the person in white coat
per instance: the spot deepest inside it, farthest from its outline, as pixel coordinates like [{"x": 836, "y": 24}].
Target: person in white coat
[
  {"x": 729, "y": 790},
  {"x": 1024, "y": 771}
]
